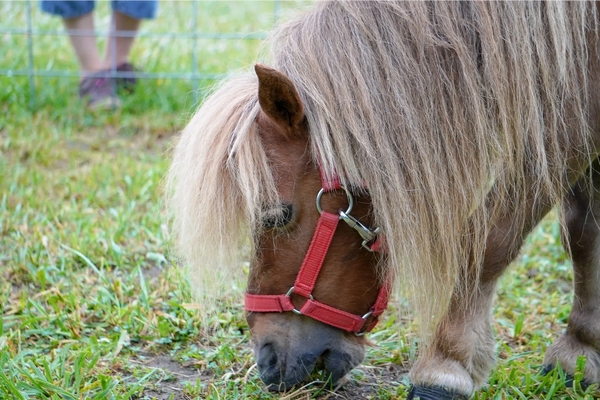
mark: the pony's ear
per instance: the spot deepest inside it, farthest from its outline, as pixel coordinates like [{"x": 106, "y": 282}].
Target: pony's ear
[{"x": 278, "y": 97}]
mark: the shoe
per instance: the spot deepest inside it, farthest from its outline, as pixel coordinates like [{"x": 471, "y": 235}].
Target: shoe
[
  {"x": 99, "y": 91},
  {"x": 127, "y": 84}
]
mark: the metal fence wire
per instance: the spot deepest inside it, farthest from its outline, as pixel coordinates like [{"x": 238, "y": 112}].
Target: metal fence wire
[{"x": 194, "y": 35}]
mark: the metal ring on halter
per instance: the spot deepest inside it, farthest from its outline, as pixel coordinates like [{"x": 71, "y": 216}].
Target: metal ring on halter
[
  {"x": 364, "y": 317},
  {"x": 295, "y": 310},
  {"x": 348, "y": 196}
]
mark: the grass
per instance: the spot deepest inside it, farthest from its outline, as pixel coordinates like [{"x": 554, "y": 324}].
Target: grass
[{"x": 92, "y": 306}]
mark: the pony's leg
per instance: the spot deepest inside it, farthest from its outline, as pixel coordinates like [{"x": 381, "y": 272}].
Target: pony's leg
[
  {"x": 582, "y": 337},
  {"x": 461, "y": 354}
]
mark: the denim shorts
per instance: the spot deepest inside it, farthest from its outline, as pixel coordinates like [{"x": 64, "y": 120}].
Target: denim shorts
[{"x": 73, "y": 9}]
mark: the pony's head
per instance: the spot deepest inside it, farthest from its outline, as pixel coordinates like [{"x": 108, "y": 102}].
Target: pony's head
[
  {"x": 243, "y": 185},
  {"x": 288, "y": 345}
]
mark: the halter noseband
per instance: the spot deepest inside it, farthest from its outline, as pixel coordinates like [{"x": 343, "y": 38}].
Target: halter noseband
[{"x": 311, "y": 266}]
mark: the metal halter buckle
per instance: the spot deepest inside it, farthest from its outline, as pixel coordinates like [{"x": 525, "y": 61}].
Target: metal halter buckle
[
  {"x": 295, "y": 310},
  {"x": 348, "y": 195},
  {"x": 364, "y": 317},
  {"x": 368, "y": 235}
]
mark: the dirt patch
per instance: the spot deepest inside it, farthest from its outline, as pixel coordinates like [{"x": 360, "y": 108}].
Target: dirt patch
[
  {"x": 171, "y": 382},
  {"x": 151, "y": 273},
  {"x": 375, "y": 381},
  {"x": 166, "y": 363}
]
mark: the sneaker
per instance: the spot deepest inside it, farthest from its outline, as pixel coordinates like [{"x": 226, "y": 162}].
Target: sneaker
[
  {"x": 127, "y": 84},
  {"x": 99, "y": 91}
]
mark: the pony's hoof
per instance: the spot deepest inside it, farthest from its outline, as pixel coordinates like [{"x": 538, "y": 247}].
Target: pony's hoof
[
  {"x": 434, "y": 393},
  {"x": 569, "y": 378}
]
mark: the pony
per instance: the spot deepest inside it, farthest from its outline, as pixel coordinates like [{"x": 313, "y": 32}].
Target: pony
[{"x": 451, "y": 127}]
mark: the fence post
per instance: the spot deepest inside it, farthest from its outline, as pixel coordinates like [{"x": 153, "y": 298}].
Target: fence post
[{"x": 30, "y": 46}]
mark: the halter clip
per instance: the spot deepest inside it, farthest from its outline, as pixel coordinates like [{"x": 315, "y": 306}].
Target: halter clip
[{"x": 368, "y": 235}]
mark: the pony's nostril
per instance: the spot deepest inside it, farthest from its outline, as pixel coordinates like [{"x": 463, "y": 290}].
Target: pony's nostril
[
  {"x": 271, "y": 372},
  {"x": 320, "y": 362},
  {"x": 337, "y": 364},
  {"x": 266, "y": 357}
]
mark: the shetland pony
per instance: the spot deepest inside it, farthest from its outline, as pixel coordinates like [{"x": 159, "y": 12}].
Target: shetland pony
[{"x": 455, "y": 127}]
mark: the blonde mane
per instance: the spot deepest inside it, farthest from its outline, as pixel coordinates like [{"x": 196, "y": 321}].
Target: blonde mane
[
  {"x": 453, "y": 113},
  {"x": 217, "y": 184}
]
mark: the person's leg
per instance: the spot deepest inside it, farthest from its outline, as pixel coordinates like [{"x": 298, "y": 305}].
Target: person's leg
[
  {"x": 118, "y": 48},
  {"x": 83, "y": 43},
  {"x": 78, "y": 18},
  {"x": 127, "y": 16},
  {"x": 79, "y": 21},
  {"x": 99, "y": 90}
]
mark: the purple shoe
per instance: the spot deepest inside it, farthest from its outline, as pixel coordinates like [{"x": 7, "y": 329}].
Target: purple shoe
[
  {"x": 128, "y": 83},
  {"x": 99, "y": 91}
]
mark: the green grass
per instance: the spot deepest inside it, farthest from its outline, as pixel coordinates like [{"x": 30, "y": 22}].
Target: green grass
[{"x": 92, "y": 306}]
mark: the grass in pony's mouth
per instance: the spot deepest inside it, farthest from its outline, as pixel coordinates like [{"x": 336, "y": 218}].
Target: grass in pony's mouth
[{"x": 92, "y": 306}]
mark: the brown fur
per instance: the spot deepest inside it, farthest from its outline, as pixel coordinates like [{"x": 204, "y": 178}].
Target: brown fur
[{"x": 282, "y": 250}]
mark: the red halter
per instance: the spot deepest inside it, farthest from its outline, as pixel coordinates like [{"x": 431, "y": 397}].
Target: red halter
[{"x": 311, "y": 266}]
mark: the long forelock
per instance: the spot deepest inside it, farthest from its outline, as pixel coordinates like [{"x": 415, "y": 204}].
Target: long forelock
[{"x": 218, "y": 183}]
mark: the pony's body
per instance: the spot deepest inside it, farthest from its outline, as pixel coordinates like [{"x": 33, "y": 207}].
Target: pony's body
[{"x": 459, "y": 125}]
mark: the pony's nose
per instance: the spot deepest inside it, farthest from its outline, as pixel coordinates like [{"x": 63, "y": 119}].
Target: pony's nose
[{"x": 282, "y": 371}]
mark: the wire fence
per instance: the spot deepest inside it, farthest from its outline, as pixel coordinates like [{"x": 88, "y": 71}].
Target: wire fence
[{"x": 193, "y": 74}]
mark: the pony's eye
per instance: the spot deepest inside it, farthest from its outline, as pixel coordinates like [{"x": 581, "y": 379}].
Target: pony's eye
[{"x": 279, "y": 217}]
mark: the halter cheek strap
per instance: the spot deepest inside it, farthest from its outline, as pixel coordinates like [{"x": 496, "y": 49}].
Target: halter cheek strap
[{"x": 309, "y": 271}]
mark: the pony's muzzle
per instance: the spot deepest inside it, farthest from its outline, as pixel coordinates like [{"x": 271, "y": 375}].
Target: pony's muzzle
[{"x": 288, "y": 347}]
